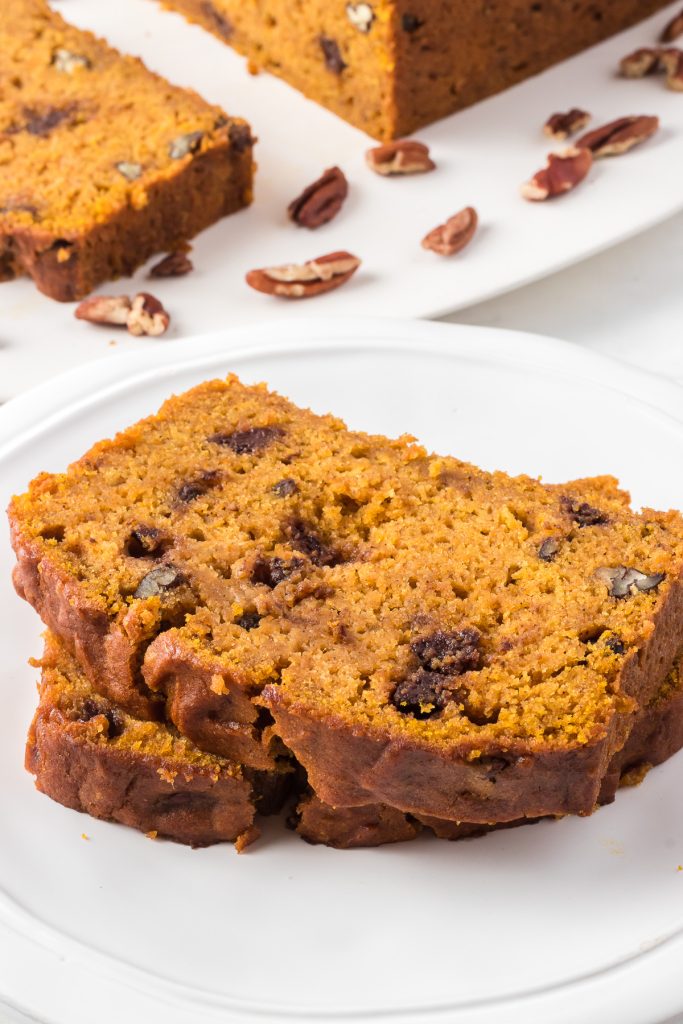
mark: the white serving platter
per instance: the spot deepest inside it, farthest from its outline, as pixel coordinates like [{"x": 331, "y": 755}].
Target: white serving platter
[
  {"x": 483, "y": 155},
  {"x": 580, "y": 919}
]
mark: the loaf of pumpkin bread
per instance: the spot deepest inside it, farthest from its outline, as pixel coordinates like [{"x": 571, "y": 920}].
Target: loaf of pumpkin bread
[
  {"x": 419, "y": 633},
  {"x": 392, "y": 66},
  {"x": 102, "y": 163}
]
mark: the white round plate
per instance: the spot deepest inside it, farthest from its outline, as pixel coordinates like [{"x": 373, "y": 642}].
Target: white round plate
[
  {"x": 483, "y": 156},
  {"x": 580, "y": 919}
]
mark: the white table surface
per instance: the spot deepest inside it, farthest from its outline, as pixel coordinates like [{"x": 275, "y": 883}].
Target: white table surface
[{"x": 626, "y": 303}]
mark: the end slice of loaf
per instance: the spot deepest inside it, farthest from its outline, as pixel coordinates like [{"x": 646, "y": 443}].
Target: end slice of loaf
[{"x": 102, "y": 163}]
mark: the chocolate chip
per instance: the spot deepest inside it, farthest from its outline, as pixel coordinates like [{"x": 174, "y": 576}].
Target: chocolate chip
[
  {"x": 449, "y": 653},
  {"x": 183, "y": 801},
  {"x": 146, "y": 542},
  {"x": 304, "y": 538},
  {"x": 247, "y": 442},
  {"x": 410, "y": 23},
  {"x": 193, "y": 489},
  {"x": 334, "y": 61},
  {"x": 159, "y": 581},
  {"x": 615, "y": 644},
  {"x": 92, "y": 709},
  {"x": 583, "y": 513},
  {"x": 184, "y": 144},
  {"x": 130, "y": 170},
  {"x": 285, "y": 488},
  {"x": 218, "y": 22},
  {"x": 548, "y": 549},
  {"x": 422, "y": 694},
  {"x": 67, "y": 62},
  {"x": 622, "y": 581},
  {"x": 248, "y": 621},
  {"x": 272, "y": 571},
  {"x": 240, "y": 137},
  {"x": 41, "y": 123}
]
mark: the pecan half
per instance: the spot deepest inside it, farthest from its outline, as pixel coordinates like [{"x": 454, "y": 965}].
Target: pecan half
[
  {"x": 672, "y": 63},
  {"x": 673, "y": 30},
  {"x": 563, "y": 173},
  {"x": 304, "y": 280},
  {"x": 619, "y": 136},
  {"x": 405, "y": 156},
  {"x": 321, "y": 201},
  {"x": 147, "y": 316},
  {"x": 561, "y": 126},
  {"x": 176, "y": 264},
  {"x": 112, "y": 310},
  {"x": 454, "y": 235},
  {"x": 640, "y": 63}
]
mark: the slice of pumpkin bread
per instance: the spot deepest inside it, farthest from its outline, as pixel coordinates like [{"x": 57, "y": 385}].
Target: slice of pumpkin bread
[
  {"x": 102, "y": 163},
  {"x": 656, "y": 735},
  {"x": 90, "y": 755},
  {"x": 420, "y": 633}
]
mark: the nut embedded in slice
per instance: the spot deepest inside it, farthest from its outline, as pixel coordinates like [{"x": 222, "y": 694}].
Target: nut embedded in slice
[
  {"x": 619, "y": 136},
  {"x": 304, "y": 280},
  {"x": 112, "y": 310},
  {"x": 451, "y": 237},
  {"x": 673, "y": 29},
  {"x": 361, "y": 16},
  {"x": 672, "y": 63},
  {"x": 563, "y": 173},
  {"x": 405, "y": 156},
  {"x": 561, "y": 126},
  {"x": 321, "y": 201},
  {"x": 147, "y": 316}
]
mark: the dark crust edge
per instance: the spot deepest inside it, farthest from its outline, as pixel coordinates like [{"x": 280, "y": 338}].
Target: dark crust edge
[
  {"x": 657, "y": 734},
  {"x": 126, "y": 787},
  {"x": 212, "y": 184},
  {"x": 349, "y": 765}
]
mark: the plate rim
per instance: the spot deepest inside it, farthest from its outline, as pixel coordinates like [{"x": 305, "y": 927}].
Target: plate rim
[{"x": 85, "y": 385}]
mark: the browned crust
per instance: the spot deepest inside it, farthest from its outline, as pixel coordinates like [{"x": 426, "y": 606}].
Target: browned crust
[
  {"x": 348, "y": 765},
  {"x": 212, "y": 184},
  {"x": 656, "y": 735},
  {"x": 224, "y": 722},
  {"x": 194, "y": 806}
]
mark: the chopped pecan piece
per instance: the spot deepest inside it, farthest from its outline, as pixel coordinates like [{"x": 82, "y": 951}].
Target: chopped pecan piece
[
  {"x": 176, "y": 264},
  {"x": 131, "y": 171},
  {"x": 405, "y": 156},
  {"x": 147, "y": 316},
  {"x": 673, "y": 29},
  {"x": 619, "y": 136},
  {"x": 454, "y": 235},
  {"x": 561, "y": 126},
  {"x": 672, "y": 63},
  {"x": 640, "y": 63},
  {"x": 321, "y": 201},
  {"x": 112, "y": 310},
  {"x": 304, "y": 280},
  {"x": 361, "y": 16},
  {"x": 563, "y": 173},
  {"x": 622, "y": 581}
]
